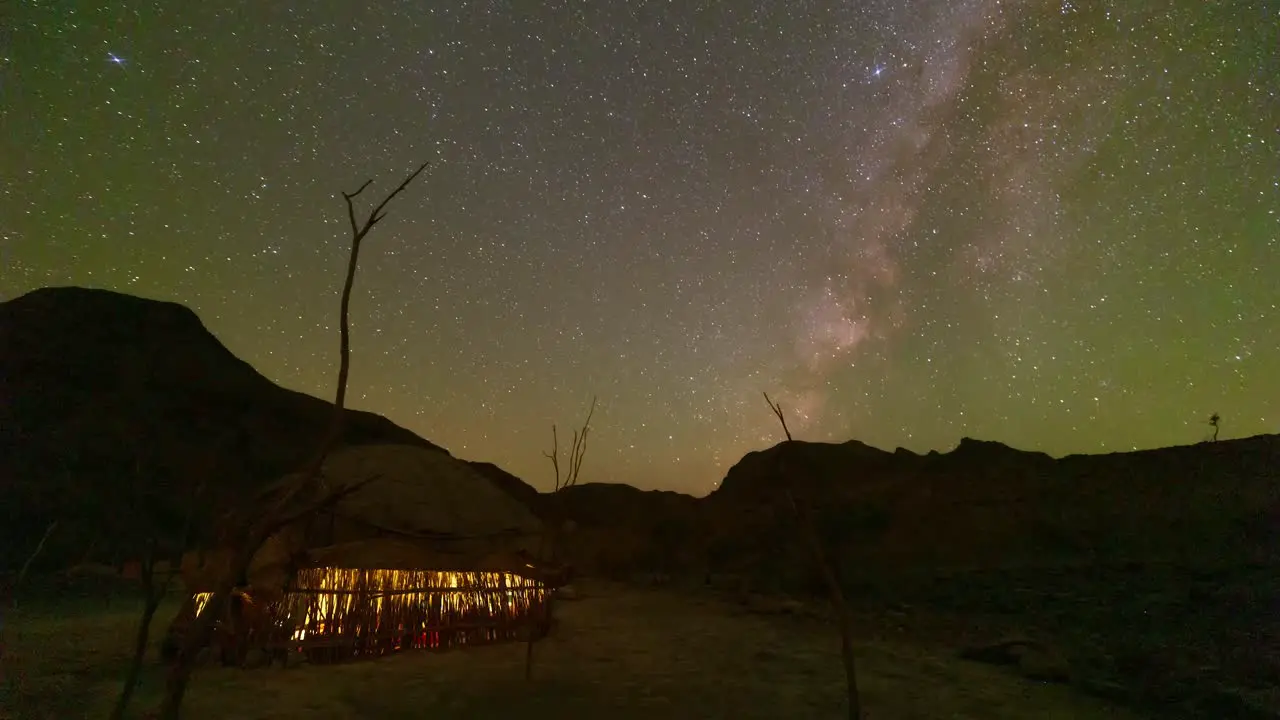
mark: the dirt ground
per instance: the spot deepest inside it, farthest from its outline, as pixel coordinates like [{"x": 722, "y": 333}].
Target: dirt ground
[{"x": 617, "y": 653}]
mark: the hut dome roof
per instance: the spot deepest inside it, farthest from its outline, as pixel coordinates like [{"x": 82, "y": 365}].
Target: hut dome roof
[
  {"x": 397, "y": 554},
  {"x": 423, "y": 492}
]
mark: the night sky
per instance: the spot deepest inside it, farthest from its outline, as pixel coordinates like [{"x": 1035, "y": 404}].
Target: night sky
[{"x": 1052, "y": 224}]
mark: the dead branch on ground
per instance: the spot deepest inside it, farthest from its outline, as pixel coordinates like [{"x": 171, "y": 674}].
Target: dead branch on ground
[
  {"x": 22, "y": 573},
  {"x": 284, "y": 510},
  {"x": 839, "y": 605}
]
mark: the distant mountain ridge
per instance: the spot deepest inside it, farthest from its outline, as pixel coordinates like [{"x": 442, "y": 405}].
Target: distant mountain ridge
[
  {"x": 85, "y": 374},
  {"x": 984, "y": 502}
]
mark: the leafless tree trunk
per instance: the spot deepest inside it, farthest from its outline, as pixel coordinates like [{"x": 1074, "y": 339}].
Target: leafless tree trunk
[
  {"x": 152, "y": 595},
  {"x": 358, "y": 233},
  {"x": 280, "y": 514},
  {"x": 550, "y": 542},
  {"x": 839, "y": 605}
]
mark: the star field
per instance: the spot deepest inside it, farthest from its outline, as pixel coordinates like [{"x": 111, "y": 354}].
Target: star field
[{"x": 1052, "y": 224}]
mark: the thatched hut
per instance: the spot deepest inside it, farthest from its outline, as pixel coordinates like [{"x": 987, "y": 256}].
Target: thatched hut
[{"x": 426, "y": 553}]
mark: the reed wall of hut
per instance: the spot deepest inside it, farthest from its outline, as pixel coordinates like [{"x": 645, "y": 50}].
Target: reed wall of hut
[{"x": 333, "y": 614}]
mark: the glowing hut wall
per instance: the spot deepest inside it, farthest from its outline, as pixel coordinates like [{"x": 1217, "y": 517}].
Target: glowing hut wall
[{"x": 341, "y": 612}]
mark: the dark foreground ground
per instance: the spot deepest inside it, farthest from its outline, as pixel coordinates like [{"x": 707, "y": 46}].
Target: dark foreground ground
[
  {"x": 1169, "y": 639},
  {"x": 618, "y": 653}
]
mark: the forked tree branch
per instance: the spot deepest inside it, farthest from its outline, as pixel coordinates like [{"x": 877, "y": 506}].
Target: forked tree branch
[
  {"x": 358, "y": 233},
  {"x": 777, "y": 410},
  {"x": 376, "y": 215},
  {"x": 554, "y": 456},
  {"x": 578, "y": 450}
]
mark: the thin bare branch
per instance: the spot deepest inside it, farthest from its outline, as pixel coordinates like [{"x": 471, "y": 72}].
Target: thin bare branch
[
  {"x": 22, "y": 573},
  {"x": 325, "y": 502},
  {"x": 839, "y": 605},
  {"x": 374, "y": 216},
  {"x": 359, "y": 190},
  {"x": 579, "y": 448},
  {"x": 554, "y": 456},
  {"x": 351, "y": 210},
  {"x": 777, "y": 411}
]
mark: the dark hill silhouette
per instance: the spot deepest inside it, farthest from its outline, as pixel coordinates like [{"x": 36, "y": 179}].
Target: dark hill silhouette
[
  {"x": 113, "y": 407},
  {"x": 982, "y": 504},
  {"x": 509, "y": 483},
  {"x": 1153, "y": 571},
  {"x": 985, "y": 503}
]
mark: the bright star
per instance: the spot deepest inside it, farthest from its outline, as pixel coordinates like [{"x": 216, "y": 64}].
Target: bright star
[{"x": 115, "y": 59}]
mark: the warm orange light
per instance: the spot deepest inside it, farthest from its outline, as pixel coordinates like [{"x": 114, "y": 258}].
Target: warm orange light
[
  {"x": 356, "y": 603},
  {"x": 395, "y": 592}
]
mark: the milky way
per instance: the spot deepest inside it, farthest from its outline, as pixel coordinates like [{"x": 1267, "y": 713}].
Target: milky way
[{"x": 1052, "y": 224}]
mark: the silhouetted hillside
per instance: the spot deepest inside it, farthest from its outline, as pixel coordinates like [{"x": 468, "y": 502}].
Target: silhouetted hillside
[
  {"x": 984, "y": 503},
  {"x": 620, "y": 530},
  {"x": 509, "y": 483},
  {"x": 113, "y": 408},
  {"x": 1154, "y": 572}
]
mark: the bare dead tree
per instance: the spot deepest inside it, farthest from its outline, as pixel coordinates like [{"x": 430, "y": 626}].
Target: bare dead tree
[
  {"x": 1215, "y": 421},
  {"x": 304, "y": 497},
  {"x": 577, "y": 450},
  {"x": 358, "y": 233},
  {"x": 777, "y": 411},
  {"x": 152, "y": 594},
  {"x": 550, "y": 541},
  {"x": 803, "y": 515}
]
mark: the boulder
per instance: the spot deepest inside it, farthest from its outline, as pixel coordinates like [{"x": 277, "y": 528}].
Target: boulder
[
  {"x": 774, "y": 605},
  {"x": 1029, "y": 658},
  {"x": 256, "y": 658},
  {"x": 568, "y": 592}
]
